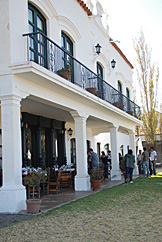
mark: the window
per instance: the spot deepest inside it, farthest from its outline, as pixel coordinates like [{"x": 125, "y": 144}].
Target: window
[
  {"x": 73, "y": 150},
  {"x": 37, "y": 43},
  {"x": 66, "y": 59},
  {"x": 98, "y": 150},
  {"x": 88, "y": 144}
]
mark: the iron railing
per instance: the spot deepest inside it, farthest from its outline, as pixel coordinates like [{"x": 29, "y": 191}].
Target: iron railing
[{"x": 48, "y": 54}]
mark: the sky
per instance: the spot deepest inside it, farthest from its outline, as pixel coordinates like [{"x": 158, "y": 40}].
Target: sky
[{"x": 127, "y": 17}]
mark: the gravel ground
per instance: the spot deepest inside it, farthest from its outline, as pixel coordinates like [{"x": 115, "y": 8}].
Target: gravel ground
[{"x": 8, "y": 219}]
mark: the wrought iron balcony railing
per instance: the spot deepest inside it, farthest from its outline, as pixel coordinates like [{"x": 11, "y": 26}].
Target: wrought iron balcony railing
[{"x": 48, "y": 54}]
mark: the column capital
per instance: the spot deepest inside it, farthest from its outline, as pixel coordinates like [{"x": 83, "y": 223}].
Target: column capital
[
  {"x": 113, "y": 128},
  {"x": 131, "y": 132},
  {"x": 78, "y": 114},
  {"x": 13, "y": 97}
]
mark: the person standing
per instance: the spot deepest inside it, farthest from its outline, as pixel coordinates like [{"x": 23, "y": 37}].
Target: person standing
[
  {"x": 105, "y": 163},
  {"x": 94, "y": 158},
  {"x": 129, "y": 160},
  {"x": 153, "y": 157},
  {"x": 89, "y": 162},
  {"x": 122, "y": 166},
  {"x": 145, "y": 162},
  {"x": 139, "y": 157},
  {"x": 150, "y": 163}
]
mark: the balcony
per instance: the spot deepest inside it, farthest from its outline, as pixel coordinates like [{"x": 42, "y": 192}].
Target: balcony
[{"x": 48, "y": 54}]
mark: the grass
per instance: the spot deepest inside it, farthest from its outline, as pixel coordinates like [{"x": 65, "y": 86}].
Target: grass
[{"x": 128, "y": 212}]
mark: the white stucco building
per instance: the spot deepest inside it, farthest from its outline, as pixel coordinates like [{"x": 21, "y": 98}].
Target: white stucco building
[{"x": 39, "y": 105}]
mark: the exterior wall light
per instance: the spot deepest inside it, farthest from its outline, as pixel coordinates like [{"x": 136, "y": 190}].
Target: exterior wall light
[
  {"x": 113, "y": 63},
  {"x": 98, "y": 48},
  {"x": 70, "y": 132}
]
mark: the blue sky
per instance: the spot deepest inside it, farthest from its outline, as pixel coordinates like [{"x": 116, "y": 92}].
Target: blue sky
[{"x": 127, "y": 17}]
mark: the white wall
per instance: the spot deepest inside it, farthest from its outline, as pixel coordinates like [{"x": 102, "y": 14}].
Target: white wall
[{"x": 84, "y": 31}]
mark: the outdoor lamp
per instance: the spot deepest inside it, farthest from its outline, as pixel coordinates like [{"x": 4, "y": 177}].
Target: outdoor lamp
[
  {"x": 70, "y": 132},
  {"x": 98, "y": 49},
  {"x": 113, "y": 62}
]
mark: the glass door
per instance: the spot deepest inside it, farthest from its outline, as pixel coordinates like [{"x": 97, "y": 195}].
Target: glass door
[
  {"x": 37, "y": 43},
  {"x": 67, "y": 62}
]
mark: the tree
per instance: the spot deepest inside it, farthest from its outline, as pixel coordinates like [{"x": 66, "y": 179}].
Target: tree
[{"x": 148, "y": 77}]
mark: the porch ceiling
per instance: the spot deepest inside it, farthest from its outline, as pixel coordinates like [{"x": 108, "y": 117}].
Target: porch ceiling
[{"x": 40, "y": 107}]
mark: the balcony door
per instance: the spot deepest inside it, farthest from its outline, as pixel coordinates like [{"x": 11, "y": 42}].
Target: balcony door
[
  {"x": 100, "y": 79},
  {"x": 128, "y": 98},
  {"x": 120, "y": 93},
  {"x": 37, "y": 43},
  {"x": 67, "y": 61}
]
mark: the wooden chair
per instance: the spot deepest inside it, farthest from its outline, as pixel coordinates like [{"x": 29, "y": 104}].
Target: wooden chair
[
  {"x": 66, "y": 179},
  {"x": 53, "y": 184},
  {"x": 36, "y": 191}
]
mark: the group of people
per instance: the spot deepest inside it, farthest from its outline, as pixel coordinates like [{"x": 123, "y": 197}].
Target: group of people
[
  {"x": 147, "y": 161},
  {"x": 93, "y": 161}
]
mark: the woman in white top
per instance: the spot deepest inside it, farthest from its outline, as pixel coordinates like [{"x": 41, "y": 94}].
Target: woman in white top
[{"x": 153, "y": 157}]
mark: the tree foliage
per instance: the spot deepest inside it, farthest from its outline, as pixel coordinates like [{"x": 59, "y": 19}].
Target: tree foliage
[{"x": 148, "y": 77}]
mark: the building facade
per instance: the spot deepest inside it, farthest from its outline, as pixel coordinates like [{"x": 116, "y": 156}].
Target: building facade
[{"x": 52, "y": 80}]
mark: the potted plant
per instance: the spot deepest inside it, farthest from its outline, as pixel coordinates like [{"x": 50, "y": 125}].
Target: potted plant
[
  {"x": 64, "y": 72},
  {"x": 96, "y": 177},
  {"x": 33, "y": 180}
]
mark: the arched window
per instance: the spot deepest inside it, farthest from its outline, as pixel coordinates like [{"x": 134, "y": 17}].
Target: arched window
[{"x": 37, "y": 43}]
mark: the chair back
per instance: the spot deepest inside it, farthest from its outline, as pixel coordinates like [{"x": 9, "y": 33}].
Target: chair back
[
  {"x": 66, "y": 178},
  {"x": 51, "y": 174}
]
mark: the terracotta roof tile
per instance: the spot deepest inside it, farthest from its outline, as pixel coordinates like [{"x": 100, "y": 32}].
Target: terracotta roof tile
[
  {"x": 89, "y": 13},
  {"x": 121, "y": 53},
  {"x": 84, "y": 6}
]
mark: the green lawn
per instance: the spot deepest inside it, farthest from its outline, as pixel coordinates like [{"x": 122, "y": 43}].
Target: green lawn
[{"x": 128, "y": 212}]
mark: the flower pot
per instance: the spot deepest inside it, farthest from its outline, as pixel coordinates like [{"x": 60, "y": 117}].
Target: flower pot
[
  {"x": 130, "y": 112},
  {"x": 93, "y": 91},
  {"x": 64, "y": 73},
  {"x": 117, "y": 104},
  {"x": 96, "y": 185},
  {"x": 33, "y": 206}
]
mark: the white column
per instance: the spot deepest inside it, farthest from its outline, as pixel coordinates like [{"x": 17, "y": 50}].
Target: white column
[
  {"x": 115, "y": 172},
  {"x": 12, "y": 193},
  {"x": 133, "y": 148},
  {"x": 82, "y": 179}
]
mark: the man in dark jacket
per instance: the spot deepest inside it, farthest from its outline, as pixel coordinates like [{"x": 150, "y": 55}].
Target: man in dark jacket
[
  {"x": 94, "y": 158},
  {"x": 129, "y": 160}
]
